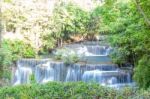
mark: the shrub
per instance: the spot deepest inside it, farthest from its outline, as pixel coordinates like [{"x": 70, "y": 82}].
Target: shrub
[
  {"x": 70, "y": 90},
  {"x": 5, "y": 57},
  {"x": 19, "y": 49},
  {"x": 142, "y": 72},
  {"x": 5, "y": 61},
  {"x": 118, "y": 56},
  {"x": 70, "y": 59},
  {"x": 11, "y": 51},
  {"x": 67, "y": 56}
]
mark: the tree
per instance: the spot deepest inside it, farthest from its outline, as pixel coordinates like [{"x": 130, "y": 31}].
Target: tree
[
  {"x": 128, "y": 24},
  {"x": 142, "y": 72},
  {"x": 67, "y": 20},
  {"x": 147, "y": 20}
]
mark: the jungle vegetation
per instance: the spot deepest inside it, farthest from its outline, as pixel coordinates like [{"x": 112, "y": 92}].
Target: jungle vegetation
[{"x": 127, "y": 22}]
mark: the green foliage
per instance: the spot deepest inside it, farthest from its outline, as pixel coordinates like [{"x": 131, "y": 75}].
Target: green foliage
[
  {"x": 70, "y": 59},
  {"x": 5, "y": 57},
  {"x": 142, "y": 72},
  {"x": 30, "y": 20},
  {"x": 5, "y": 62},
  {"x": 28, "y": 51},
  {"x": 69, "y": 21},
  {"x": 7, "y": 73},
  {"x": 127, "y": 21},
  {"x": 131, "y": 37},
  {"x": 118, "y": 56},
  {"x": 67, "y": 56},
  {"x": 32, "y": 79},
  {"x": 129, "y": 29},
  {"x": 48, "y": 27},
  {"x": 10, "y": 52},
  {"x": 76, "y": 90},
  {"x": 19, "y": 49}
]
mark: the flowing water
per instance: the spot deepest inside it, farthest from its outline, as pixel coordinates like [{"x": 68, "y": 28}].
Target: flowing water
[{"x": 94, "y": 66}]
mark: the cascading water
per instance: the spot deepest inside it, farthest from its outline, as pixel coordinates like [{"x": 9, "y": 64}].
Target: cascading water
[
  {"x": 90, "y": 50},
  {"x": 22, "y": 75},
  {"x": 44, "y": 73},
  {"x": 71, "y": 75},
  {"x": 96, "y": 66}
]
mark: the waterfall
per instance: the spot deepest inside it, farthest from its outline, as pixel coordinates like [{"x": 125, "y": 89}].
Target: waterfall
[
  {"x": 71, "y": 75},
  {"x": 90, "y": 50},
  {"x": 44, "y": 73},
  {"x": 96, "y": 68},
  {"x": 22, "y": 75}
]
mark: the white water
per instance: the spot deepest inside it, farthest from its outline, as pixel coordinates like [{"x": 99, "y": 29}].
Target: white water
[
  {"x": 44, "y": 73},
  {"x": 93, "y": 71},
  {"x": 88, "y": 50},
  {"x": 22, "y": 75}
]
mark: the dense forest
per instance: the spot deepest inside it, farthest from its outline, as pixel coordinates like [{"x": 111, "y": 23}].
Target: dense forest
[{"x": 32, "y": 29}]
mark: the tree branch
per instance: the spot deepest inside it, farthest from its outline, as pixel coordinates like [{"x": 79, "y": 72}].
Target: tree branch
[{"x": 147, "y": 21}]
